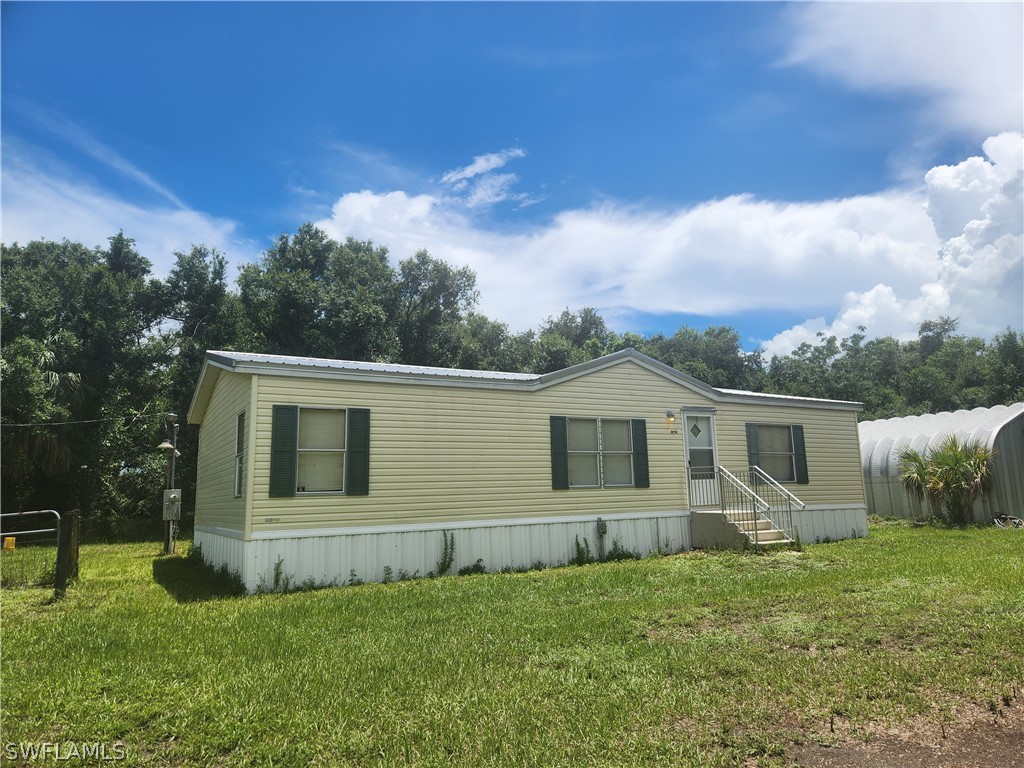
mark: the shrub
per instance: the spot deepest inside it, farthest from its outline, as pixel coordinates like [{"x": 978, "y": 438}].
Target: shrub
[{"x": 953, "y": 475}]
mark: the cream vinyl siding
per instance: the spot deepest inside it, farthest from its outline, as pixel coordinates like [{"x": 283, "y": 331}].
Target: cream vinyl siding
[
  {"x": 216, "y": 504},
  {"x": 440, "y": 454},
  {"x": 830, "y": 438}
]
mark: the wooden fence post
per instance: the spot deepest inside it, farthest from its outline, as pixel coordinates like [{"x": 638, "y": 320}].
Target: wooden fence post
[
  {"x": 75, "y": 519},
  {"x": 60, "y": 580}
]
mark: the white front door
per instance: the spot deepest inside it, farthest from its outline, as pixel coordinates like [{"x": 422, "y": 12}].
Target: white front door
[{"x": 701, "y": 462}]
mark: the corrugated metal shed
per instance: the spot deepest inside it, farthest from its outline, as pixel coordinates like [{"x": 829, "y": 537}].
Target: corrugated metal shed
[{"x": 1000, "y": 427}]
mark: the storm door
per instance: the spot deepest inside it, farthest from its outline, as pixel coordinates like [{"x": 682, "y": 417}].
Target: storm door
[{"x": 701, "y": 462}]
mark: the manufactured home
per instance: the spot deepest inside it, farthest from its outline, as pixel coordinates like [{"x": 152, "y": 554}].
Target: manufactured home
[{"x": 333, "y": 471}]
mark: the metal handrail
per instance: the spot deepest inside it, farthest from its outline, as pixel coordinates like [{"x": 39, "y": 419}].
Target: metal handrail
[
  {"x": 781, "y": 513},
  {"x": 745, "y": 490},
  {"x": 777, "y": 486},
  {"x": 744, "y": 508}
]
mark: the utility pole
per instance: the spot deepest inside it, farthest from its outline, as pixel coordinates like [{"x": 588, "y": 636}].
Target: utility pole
[{"x": 172, "y": 496}]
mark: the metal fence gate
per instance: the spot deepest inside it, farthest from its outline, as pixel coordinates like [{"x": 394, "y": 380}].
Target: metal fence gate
[{"x": 44, "y": 537}]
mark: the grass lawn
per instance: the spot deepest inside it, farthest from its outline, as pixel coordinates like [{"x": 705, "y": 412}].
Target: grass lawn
[
  {"x": 28, "y": 566},
  {"x": 704, "y": 659}
]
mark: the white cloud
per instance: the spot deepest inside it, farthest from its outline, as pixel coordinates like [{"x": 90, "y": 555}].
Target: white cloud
[
  {"x": 492, "y": 189},
  {"x": 40, "y": 204},
  {"x": 977, "y": 274},
  {"x": 966, "y": 59},
  {"x": 482, "y": 164},
  {"x": 724, "y": 256},
  {"x": 476, "y": 186},
  {"x": 966, "y": 63},
  {"x": 70, "y": 132},
  {"x": 887, "y": 261}
]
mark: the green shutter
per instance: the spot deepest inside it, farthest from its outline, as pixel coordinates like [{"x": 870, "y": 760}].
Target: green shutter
[
  {"x": 357, "y": 459},
  {"x": 753, "y": 453},
  {"x": 284, "y": 430},
  {"x": 559, "y": 453},
  {"x": 800, "y": 455},
  {"x": 641, "y": 467}
]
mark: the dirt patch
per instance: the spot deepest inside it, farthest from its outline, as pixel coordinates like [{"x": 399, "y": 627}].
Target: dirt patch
[{"x": 977, "y": 738}]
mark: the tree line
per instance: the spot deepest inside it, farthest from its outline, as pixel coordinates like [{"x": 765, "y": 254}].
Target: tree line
[{"x": 95, "y": 352}]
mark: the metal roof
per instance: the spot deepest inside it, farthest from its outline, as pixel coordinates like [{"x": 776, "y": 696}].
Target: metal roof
[
  {"x": 290, "y": 361},
  {"x": 770, "y": 396},
  {"x": 287, "y": 365}
]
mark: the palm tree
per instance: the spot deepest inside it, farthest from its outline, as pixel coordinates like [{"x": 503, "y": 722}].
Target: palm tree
[{"x": 952, "y": 475}]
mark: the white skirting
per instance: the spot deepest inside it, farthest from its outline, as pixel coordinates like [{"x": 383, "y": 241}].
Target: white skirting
[
  {"x": 821, "y": 523},
  {"x": 340, "y": 556}
]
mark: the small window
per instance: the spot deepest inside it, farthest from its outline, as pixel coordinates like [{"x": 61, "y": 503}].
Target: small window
[
  {"x": 600, "y": 453},
  {"x": 777, "y": 456},
  {"x": 239, "y": 452},
  {"x": 321, "y": 451},
  {"x": 779, "y": 450}
]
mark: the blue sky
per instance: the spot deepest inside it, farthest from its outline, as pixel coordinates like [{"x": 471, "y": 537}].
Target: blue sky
[{"x": 783, "y": 168}]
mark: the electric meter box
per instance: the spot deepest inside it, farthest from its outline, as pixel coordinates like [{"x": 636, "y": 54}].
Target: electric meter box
[{"x": 172, "y": 504}]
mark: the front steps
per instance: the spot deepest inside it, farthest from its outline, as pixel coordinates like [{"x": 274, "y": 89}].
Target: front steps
[
  {"x": 758, "y": 530},
  {"x": 711, "y": 528}
]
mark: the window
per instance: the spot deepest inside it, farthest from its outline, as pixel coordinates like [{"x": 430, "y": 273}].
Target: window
[
  {"x": 319, "y": 450},
  {"x": 584, "y": 456},
  {"x": 776, "y": 448},
  {"x": 779, "y": 450},
  {"x": 239, "y": 452},
  {"x": 598, "y": 453}
]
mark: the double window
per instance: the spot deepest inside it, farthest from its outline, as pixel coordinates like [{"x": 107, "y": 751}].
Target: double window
[
  {"x": 319, "y": 450},
  {"x": 779, "y": 450},
  {"x": 598, "y": 453}
]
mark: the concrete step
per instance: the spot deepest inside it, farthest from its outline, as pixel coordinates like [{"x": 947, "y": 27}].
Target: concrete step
[
  {"x": 755, "y": 526},
  {"x": 770, "y": 536},
  {"x": 775, "y": 543},
  {"x": 751, "y": 525}
]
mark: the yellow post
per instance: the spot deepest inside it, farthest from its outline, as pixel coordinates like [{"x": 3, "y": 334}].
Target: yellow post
[{"x": 8, "y": 542}]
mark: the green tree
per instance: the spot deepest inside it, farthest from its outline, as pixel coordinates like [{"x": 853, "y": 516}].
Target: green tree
[
  {"x": 311, "y": 296},
  {"x": 553, "y": 352},
  {"x": 807, "y": 371},
  {"x": 433, "y": 301},
  {"x": 953, "y": 475},
  {"x": 933, "y": 334},
  {"x": 578, "y": 328},
  {"x": 88, "y": 320},
  {"x": 570, "y": 339},
  {"x": 714, "y": 355},
  {"x": 205, "y": 316},
  {"x": 1004, "y": 367},
  {"x": 487, "y": 345}
]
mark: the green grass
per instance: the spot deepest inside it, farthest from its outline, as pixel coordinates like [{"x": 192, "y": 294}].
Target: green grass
[
  {"x": 31, "y": 565},
  {"x": 699, "y": 659}
]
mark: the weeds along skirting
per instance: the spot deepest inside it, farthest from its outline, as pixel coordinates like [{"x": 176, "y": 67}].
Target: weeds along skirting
[{"x": 281, "y": 580}]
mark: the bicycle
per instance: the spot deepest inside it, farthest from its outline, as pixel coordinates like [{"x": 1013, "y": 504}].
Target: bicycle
[{"x": 1008, "y": 521}]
